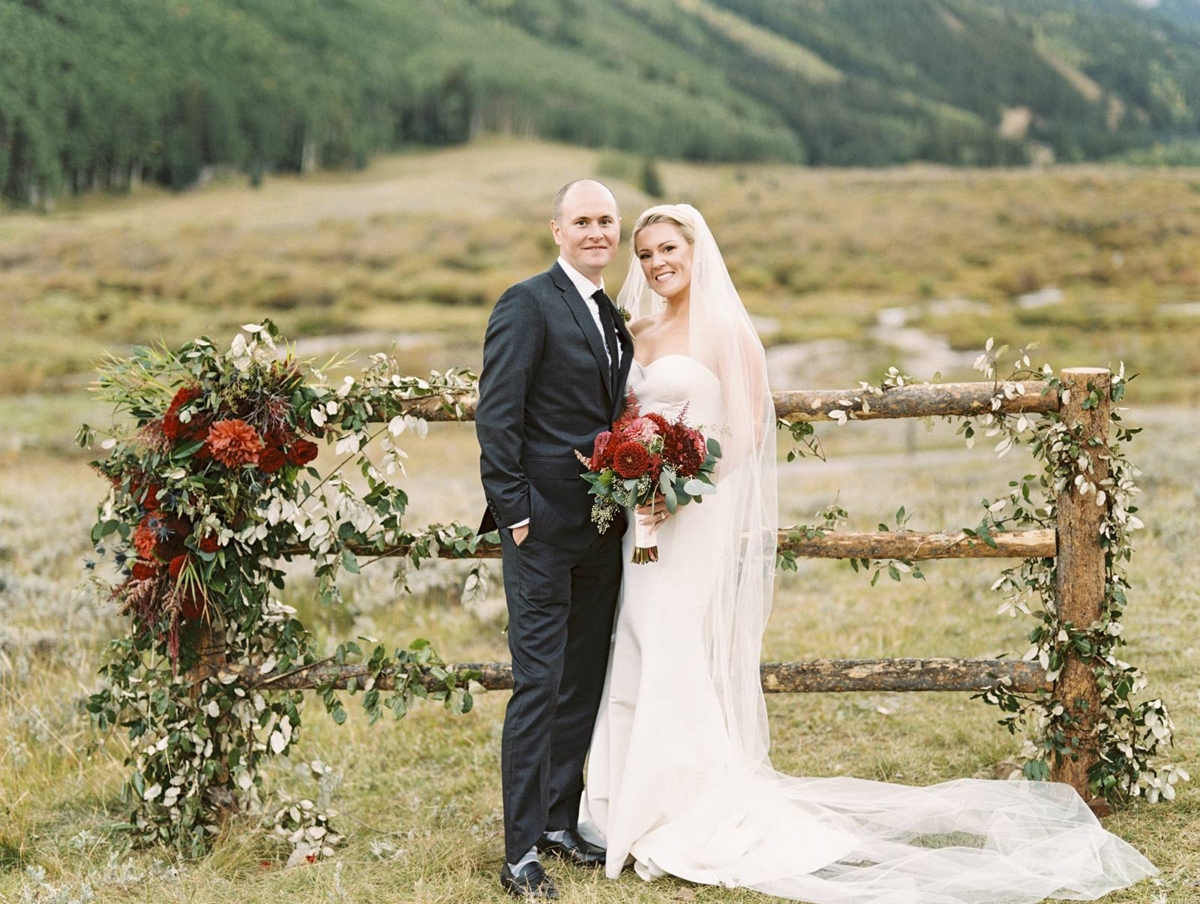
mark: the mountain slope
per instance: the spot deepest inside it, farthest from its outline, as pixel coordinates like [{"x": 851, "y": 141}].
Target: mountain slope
[{"x": 105, "y": 95}]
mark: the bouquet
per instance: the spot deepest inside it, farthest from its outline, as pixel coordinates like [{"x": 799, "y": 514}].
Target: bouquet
[{"x": 643, "y": 453}]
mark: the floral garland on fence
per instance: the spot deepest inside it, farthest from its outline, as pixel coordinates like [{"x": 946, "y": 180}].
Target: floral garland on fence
[
  {"x": 1128, "y": 734},
  {"x": 213, "y": 485}
]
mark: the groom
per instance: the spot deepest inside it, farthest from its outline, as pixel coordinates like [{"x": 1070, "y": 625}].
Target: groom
[{"x": 555, "y": 358}]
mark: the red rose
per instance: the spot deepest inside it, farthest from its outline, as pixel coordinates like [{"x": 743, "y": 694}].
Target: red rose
[
  {"x": 209, "y": 543},
  {"x": 172, "y": 427},
  {"x": 171, "y": 534},
  {"x": 233, "y": 443},
  {"x": 183, "y": 396},
  {"x": 151, "y": 500},
  {"x": 631, "y": 460},
  {"x": 271, "y": 461},
  {"x": 302, "y": 452},
  {"x": 196, "y": 428},
  {"x": 143, "y": 571},
  {"x": 278, "y": 437},
  {"x": 177, "y": 565}
]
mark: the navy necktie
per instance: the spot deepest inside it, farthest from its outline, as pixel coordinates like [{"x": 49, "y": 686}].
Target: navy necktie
[{"x": 608, "y": 320}]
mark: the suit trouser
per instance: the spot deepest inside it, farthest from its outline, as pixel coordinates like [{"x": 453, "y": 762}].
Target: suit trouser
[{"x": 561, "y": 604}]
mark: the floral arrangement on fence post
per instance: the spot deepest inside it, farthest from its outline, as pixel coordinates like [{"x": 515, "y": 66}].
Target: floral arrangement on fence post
[{"x": 212, "y": 486}]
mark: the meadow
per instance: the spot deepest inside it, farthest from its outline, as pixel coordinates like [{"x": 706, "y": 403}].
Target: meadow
[{"x": 412, "y": 251}]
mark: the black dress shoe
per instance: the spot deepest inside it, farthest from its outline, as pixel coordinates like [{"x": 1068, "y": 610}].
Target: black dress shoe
[
  {"x": 573, "y": 848},
  {"x": 530, "y": 881}
]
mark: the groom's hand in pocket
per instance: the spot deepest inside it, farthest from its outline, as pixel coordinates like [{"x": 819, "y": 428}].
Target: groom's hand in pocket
[{"x": 520, "y": 533}]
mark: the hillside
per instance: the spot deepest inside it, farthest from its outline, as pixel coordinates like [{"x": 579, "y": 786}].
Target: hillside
[{"x": 109, "y": 95}]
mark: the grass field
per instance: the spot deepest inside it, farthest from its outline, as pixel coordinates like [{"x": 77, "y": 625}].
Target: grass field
[{"x": 419, "y": 800}]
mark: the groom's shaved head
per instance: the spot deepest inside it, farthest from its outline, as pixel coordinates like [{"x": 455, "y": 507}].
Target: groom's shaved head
[{"x": 561, "y": 197}]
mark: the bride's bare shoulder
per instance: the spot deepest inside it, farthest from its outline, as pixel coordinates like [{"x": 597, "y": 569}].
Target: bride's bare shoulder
[{"x": 636, "y": 327}]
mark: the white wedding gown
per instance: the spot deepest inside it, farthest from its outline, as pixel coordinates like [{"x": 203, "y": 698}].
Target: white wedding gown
[{"x": 670, "y": 788}]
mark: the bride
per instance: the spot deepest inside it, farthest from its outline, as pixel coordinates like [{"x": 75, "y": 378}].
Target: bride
[{"x": 679, "y": 778}]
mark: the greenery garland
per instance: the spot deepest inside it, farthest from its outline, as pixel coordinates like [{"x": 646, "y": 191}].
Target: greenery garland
[
  {"x": 212, "y": 487},
  {"x": 1127, "y": 734}
]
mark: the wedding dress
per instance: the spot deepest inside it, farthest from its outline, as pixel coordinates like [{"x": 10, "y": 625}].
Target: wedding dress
[{"x": 679, "y": 780}]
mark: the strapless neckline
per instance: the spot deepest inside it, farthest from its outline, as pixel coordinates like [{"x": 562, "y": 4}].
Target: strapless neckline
[
  {"x": 661, "y": 358},
  {"x": 646, "y": 367}
]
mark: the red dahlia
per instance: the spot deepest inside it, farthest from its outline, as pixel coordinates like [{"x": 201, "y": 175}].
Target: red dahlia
[
  {"x": 143, "y": 571},
  {"x": 631, "y": 460},
  {"x": 234, "y": 443},
  {"x": 209, "y": 543}
]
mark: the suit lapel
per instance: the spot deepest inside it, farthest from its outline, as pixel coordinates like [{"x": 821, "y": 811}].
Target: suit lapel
[
  {"x": 583, "y": 317},
  {"x": 626, "y": 341}
]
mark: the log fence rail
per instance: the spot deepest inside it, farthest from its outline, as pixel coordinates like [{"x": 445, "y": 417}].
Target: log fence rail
[{"x": 1075, "y": 543}]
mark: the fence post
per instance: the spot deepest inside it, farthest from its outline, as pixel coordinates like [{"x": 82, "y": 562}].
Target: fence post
[
  {"x": 212, "y": 658},
  {"x": 1081, "y": 574}
]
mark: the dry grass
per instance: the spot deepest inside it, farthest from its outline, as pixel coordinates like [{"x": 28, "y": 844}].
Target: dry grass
[
  {"x": 420, "y": 798},
  {"x": 422, "y": 243},
  {"x": 415, "y": 248}
]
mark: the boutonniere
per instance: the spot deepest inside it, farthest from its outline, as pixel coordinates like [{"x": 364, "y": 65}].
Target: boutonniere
[{"x": 625, "y": 315}]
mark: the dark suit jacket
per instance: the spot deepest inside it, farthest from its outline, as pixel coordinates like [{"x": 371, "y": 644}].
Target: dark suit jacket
[{"x": 543, "y": 394}]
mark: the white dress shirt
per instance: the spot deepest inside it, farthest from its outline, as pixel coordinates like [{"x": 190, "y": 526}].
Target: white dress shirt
[{"x": 587, "y": 289}]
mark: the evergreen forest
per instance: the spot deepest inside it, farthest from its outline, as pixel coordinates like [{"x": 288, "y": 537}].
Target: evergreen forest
[{"x": 113, "y": 94}]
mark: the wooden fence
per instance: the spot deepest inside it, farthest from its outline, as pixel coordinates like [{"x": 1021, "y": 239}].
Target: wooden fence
[{"x": 1075, "y": 542}]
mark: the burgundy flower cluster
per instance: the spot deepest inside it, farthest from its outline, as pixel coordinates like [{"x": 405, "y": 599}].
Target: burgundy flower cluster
[
  {"x": 166, "y": 569},
  {"x": 231, "y": 441},
  {"x": 643, "y": 444}
]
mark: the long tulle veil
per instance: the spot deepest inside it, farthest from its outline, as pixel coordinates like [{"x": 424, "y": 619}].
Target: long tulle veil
[
  {"x": 722, "y": 337},
  {"x": 962, "y": 842}
]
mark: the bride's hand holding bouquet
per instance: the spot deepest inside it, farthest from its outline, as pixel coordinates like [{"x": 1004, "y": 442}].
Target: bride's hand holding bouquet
[{"x": 645, "y": 458}]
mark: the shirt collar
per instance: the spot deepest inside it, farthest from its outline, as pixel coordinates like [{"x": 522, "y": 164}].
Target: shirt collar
[{"x": 586, "y": 287}]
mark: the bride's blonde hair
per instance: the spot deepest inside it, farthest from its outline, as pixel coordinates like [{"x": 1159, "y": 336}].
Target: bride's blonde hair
[{"x": 665, "y": 214}]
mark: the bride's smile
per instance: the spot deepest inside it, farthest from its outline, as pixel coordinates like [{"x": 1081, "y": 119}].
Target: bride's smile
[{"x": 666, "y": 259}]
